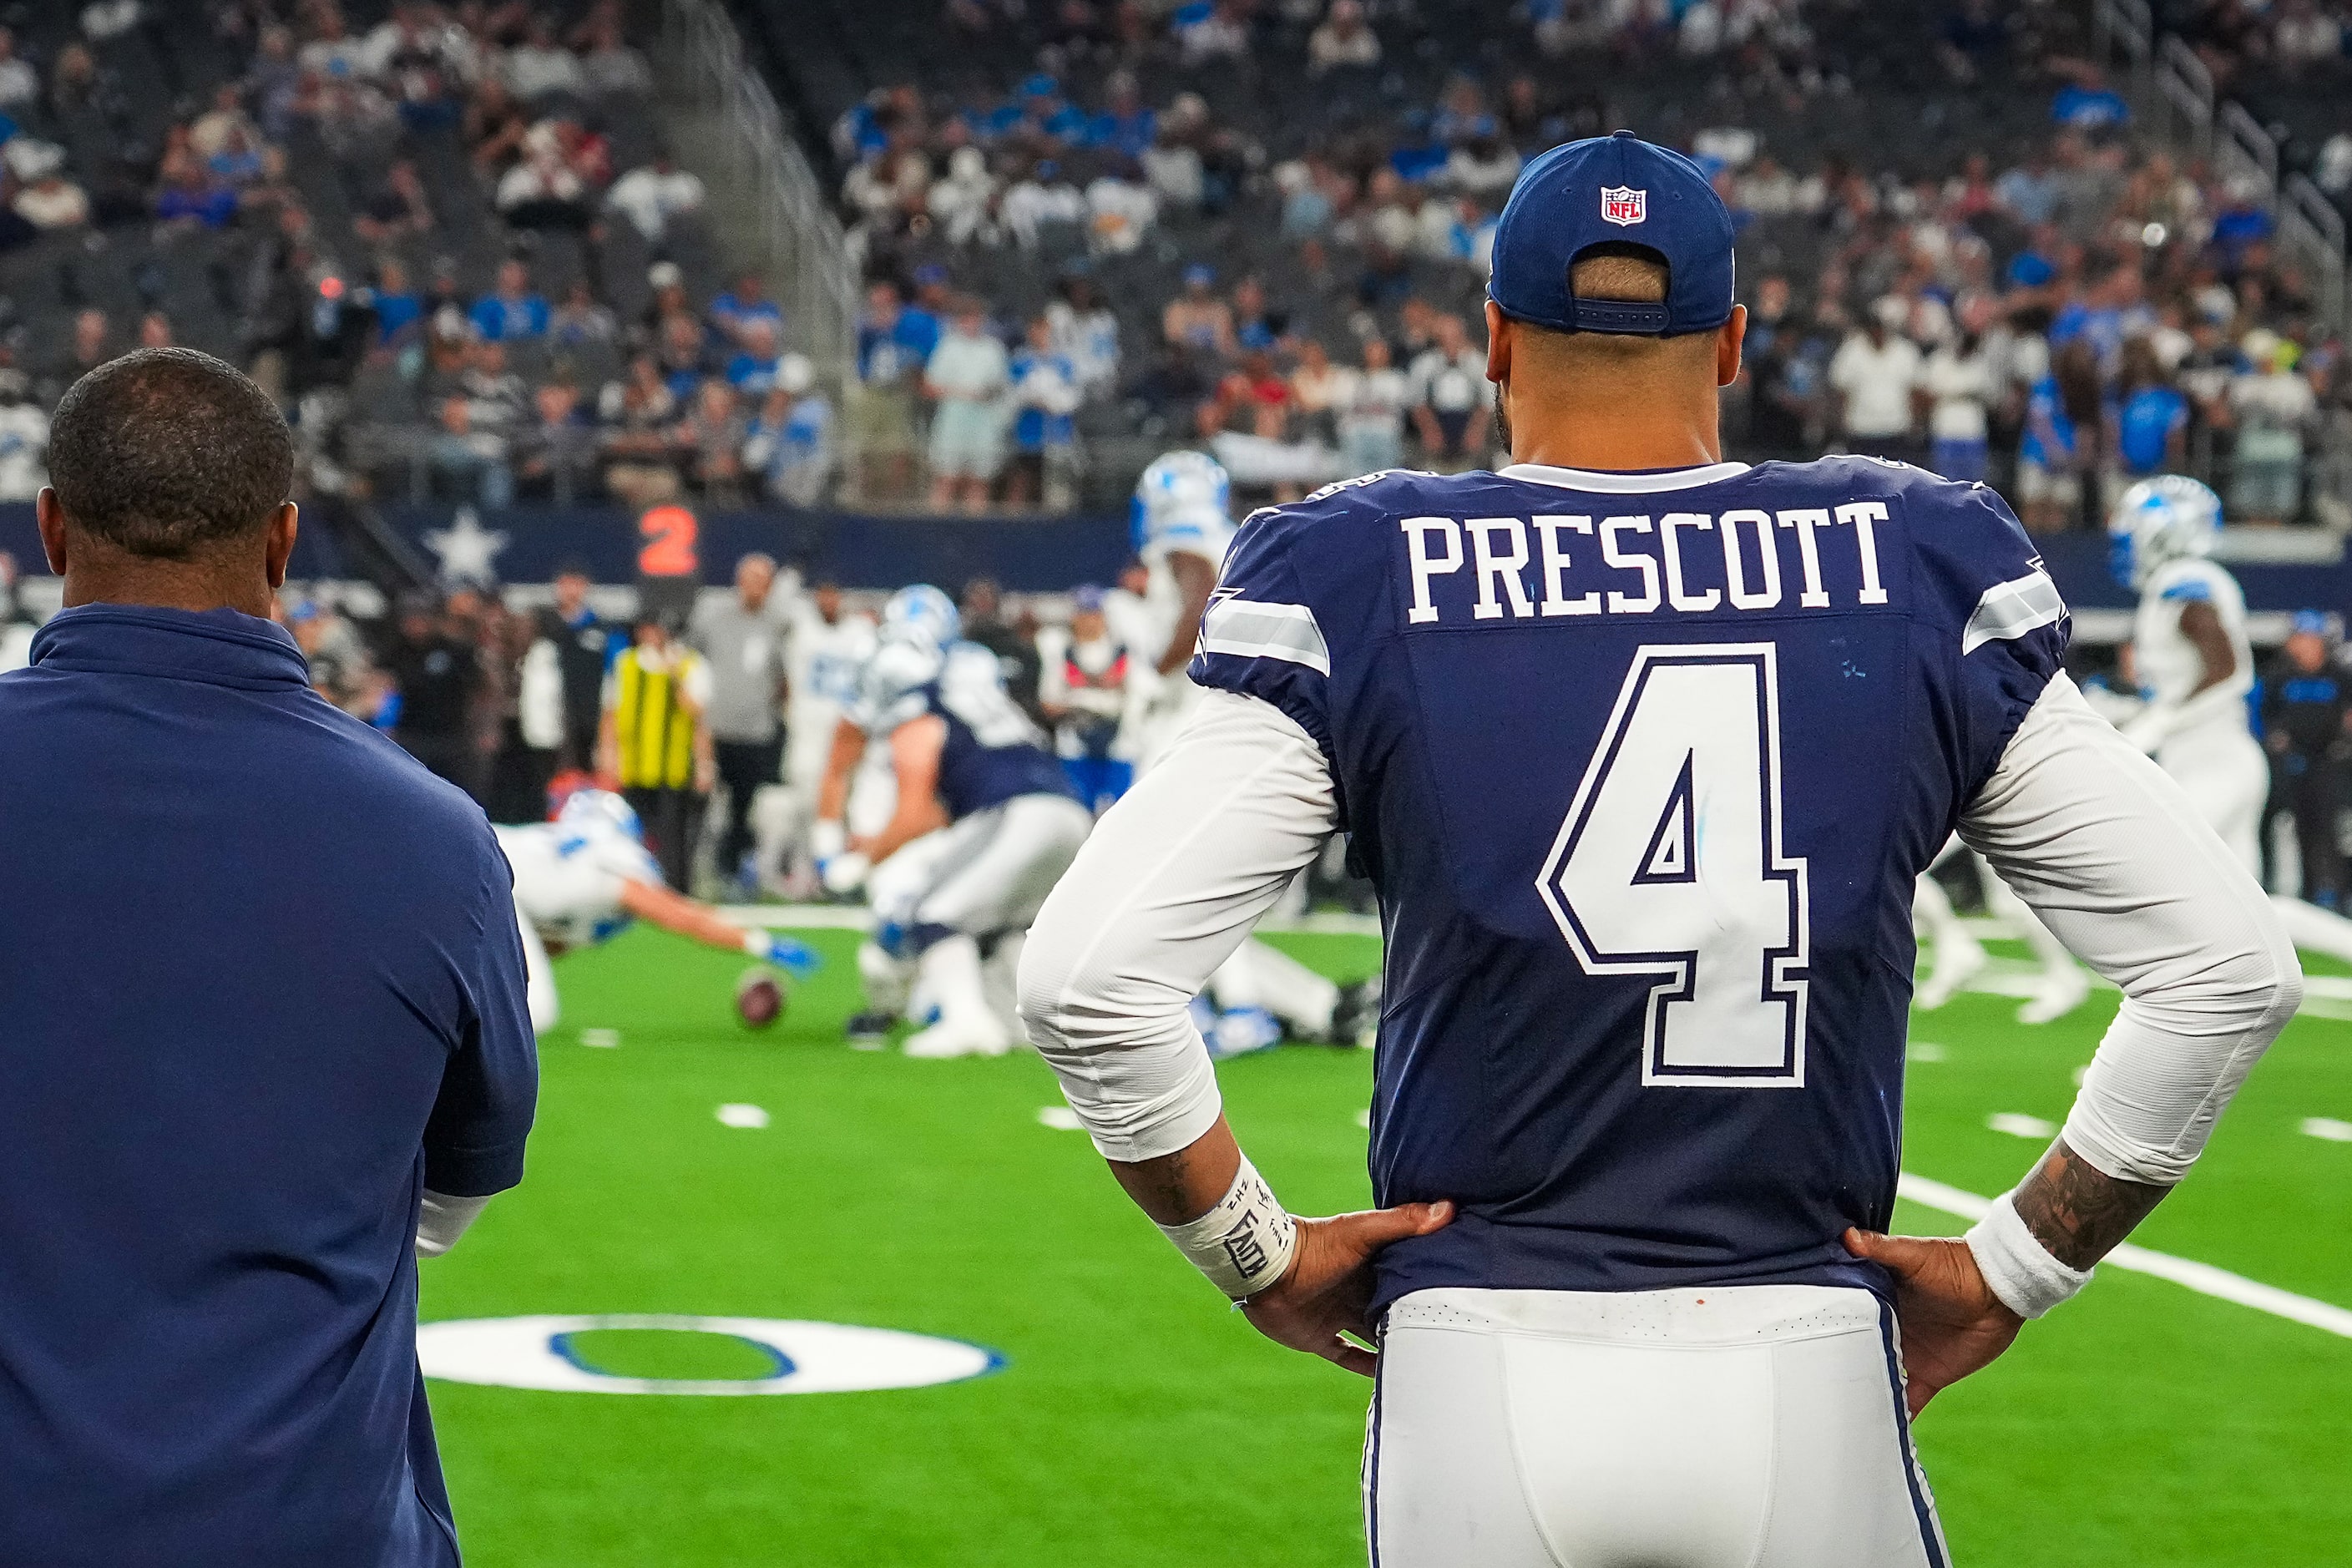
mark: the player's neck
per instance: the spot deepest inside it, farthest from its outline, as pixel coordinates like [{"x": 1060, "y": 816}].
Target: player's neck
[
  {"x": 113, "y": 577},
  {"x": 1604, "y": 438}
]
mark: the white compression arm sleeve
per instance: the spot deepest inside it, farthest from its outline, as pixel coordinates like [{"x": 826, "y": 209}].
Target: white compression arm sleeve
[
  {"x": 1167, "y": 887},
  {"x": 2102, "y": 844},
  {"x": 442, "y": 1219}
]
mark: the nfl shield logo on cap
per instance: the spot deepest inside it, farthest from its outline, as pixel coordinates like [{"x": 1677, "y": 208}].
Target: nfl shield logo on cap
[{"x": 1623, "y": 206}]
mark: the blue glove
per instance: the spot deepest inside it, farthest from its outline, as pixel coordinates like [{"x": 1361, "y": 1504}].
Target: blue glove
[{"x": 771, "y": 947}]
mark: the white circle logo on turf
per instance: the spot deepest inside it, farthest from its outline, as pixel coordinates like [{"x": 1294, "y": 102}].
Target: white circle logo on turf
[{"x": 802, "y": 1357}]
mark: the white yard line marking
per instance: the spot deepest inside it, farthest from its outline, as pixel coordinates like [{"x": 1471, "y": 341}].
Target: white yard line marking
[
  {"x": 2018, "y": 1125},
  {"x": 2327, "y": 1127},
  {"x": 1926, "y": 1051},
  {"x": 750, "y": 1117},
  {"x": 1060, "y": 1118},
  {"x": 1364, "y": 1119},
  {"x": 602, "y": 1039},
  {"x": 2202, "y": 1278}
]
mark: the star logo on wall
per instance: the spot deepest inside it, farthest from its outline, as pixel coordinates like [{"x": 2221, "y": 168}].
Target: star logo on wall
[{"x": 469, "y": 552}]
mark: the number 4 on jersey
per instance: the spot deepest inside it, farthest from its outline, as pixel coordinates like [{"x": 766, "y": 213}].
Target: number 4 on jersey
[{"x": 1670, "y": 865}]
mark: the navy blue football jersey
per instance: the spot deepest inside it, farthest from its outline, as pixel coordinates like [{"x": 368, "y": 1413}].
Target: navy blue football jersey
[
  {"x": 993, "y": 752},
  {"x": 1643, "y": 767}
]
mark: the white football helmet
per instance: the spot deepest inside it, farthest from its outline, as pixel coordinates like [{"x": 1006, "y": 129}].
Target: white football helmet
[
  {"x": 2169, "y": 518},
  {"x": 906, "y": 659},
  {"x": 926, "y": 609},
  {"x": 1182, "y": 492},
  {"x": 601, "y": 808}
]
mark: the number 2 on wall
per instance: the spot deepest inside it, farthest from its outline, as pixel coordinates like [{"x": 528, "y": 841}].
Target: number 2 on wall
[{"x": 1670, "y": 865}]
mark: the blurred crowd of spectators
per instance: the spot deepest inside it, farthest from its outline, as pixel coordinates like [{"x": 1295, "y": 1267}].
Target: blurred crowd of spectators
[
  {"x": 377, "y": 208},
  {"x": 2059, "y": 318}
]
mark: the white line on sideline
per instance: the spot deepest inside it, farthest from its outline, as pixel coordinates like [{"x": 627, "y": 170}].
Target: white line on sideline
[{"x": 2202, "y": 1278}]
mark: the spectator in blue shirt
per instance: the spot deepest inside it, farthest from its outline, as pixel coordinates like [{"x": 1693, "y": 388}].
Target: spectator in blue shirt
[
  {"x": 2087, "y": 103},
  {"x": 789, "y": 445},
  {"x": 224, "y": 1158},
  {"x": 751, "y": 368},
  {"x": 1127, "y": 126},
  {"x": 2061, "y": 410},
  {"x": 2151, "y": 415},
  {"x": 515, "y": 311},
  {"x": 893, "y": 343},
  {"x": 1045, "y": 396},
  {"x": 398, "y": 306},
  {"x": 740, "y": 310}
]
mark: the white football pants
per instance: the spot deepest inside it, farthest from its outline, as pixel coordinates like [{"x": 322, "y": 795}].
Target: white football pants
[
  {"x": 2225, "y": 775},
  {"x": 1756, "y": 1427},
  {"x": 538, "y": 978},
  {"x": 987, "y": 873}
]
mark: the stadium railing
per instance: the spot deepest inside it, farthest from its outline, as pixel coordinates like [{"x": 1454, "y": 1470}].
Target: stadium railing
[
  {"x": 764, "y": 199},
  {"x": 2174, "y": 92}
]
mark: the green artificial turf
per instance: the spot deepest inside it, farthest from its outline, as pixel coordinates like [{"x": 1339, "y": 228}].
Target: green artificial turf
[{"x": 1135, "y": 1422}]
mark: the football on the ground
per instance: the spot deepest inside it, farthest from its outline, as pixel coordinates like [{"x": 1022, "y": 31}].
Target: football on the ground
[{"x": 760, "y": 996}]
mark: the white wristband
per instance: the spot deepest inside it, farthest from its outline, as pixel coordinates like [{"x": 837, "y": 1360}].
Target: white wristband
[
  {"x": 1244, "y": 1244},
  {"x": 2021, "y": 1270},
  {"x": 827, "y": 838}
]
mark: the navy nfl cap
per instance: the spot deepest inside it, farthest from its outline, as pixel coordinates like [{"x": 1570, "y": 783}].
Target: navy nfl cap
[{"x": 1614, "y": 190}]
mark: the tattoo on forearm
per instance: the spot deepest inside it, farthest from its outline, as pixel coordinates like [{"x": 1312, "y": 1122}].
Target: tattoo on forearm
[{"x": 2078, "y": 1211}]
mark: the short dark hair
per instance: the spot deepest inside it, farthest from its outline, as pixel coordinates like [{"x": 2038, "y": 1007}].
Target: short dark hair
[{"x": 166, "y": 452}]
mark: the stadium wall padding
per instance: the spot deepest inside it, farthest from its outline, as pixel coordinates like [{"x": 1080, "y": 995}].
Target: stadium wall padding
[{"x": 1026, "y": 554}]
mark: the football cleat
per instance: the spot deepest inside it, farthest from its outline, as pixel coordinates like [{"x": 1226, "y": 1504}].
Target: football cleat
[{"x": 870, "y": 1031}]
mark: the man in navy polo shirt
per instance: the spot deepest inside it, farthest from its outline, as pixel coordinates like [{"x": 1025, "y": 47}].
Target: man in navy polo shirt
[{"x": 262, "y": 1031}]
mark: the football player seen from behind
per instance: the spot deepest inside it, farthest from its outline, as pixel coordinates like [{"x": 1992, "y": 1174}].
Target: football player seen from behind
[
  {"x": 580, "y": 878},
  {"x": 986, "y": 821},
  {"x": 1644, "y": 750}
]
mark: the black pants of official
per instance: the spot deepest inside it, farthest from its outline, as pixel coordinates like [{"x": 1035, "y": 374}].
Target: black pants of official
[
  {"x": 579, "y": 733},
  {"x": 672, "y": 820},
  {"x": 517, "y": 791},
  {"x": 743, "y": 767},
  {"x": 2311, "y": 790}
]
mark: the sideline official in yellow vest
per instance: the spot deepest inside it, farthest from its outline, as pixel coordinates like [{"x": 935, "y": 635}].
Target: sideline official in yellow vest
[{"x": 656, "y": 743}]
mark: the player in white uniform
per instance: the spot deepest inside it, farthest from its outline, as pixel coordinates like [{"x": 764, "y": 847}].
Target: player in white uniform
[
  {"x": 2190, "y": 651},
  {"x": 580, "y": 878},
  {"x": 984, "y": 825},
  {"x": 1958, "y": 957},
  {"x": 1182, "y": 519},
  {"x": 828, "y": 645}
]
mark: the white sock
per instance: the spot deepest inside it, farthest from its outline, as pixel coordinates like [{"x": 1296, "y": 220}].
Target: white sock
[{"x": 949, "y": 971}]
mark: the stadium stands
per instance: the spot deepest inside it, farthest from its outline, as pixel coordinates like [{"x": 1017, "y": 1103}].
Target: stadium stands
[{"x": 1326, "y": 175}]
